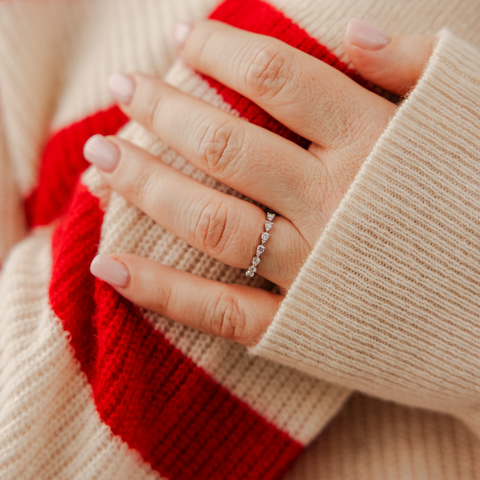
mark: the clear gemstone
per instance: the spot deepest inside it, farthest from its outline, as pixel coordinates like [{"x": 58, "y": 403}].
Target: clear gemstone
[
  {"x": 260, "y": 249},
  {"x": 249, "y": 274},
  {"x": 265, "y": 237},
  {"x": 268, "y": 226},
  {"x": 253, "y": 269},
  {"x": 255, "y": 261},
  {"x": 270, "y": 216}
]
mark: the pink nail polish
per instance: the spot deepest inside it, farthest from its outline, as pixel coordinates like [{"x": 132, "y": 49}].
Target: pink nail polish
[
  {"x": 109, "y": 270},
  {"x": 122, "y": 87},
  {"x": 102, "y": 153},
  {"x": 180, "y": 33},
  {"x": 365, "y": 36}
]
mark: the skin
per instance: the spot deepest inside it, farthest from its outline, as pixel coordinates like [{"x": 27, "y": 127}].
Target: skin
[{"x": 341, "y": 119}]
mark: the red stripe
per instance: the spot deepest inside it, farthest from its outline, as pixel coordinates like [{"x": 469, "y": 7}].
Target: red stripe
[
  {"x": 74, "y": 245},
  {"x": 62, "y": 163},
  {"x": 157, "y": 400},
  {"x": 260, "y": 17}
]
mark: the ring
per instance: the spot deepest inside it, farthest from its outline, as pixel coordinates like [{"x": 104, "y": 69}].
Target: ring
[{"x": 261, "y": 248}]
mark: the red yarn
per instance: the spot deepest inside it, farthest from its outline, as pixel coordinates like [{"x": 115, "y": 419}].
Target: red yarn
[{"x": 62, "y": 164}]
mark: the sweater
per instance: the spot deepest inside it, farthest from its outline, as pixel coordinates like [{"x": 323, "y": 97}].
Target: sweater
[{"x": 370, "y": 368}]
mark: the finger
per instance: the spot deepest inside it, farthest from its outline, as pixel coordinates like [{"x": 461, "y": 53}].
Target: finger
[
  {"x": 228, "y": 148},
  {"x": 234, "y": 312},
  {"x": 393, "y": 63},
  {"x": 310, "y": 97},
  {"x": 218, "y": 224}
]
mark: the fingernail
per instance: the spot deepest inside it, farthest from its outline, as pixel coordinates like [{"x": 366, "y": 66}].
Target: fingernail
[
  {"x": 366, "y": 36},
  {"x": 102, "y": 153},
  {"x": 122, "y": 87},
  {"x": 180, "y": 33},
  {"x": 109, "y": 270}
]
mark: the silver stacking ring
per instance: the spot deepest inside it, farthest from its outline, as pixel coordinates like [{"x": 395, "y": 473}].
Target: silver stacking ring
[{"x": 261, "y": 248}]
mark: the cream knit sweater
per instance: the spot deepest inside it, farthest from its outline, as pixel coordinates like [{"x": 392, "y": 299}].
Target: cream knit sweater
[{"x": 387, "y": 305}]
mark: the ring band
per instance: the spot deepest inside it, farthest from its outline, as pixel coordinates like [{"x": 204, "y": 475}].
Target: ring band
[{"x": 261, "y": 248}]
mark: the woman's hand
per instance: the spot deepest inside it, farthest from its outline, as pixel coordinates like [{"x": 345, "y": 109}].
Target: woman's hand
[{"x": 340, "y": 118}]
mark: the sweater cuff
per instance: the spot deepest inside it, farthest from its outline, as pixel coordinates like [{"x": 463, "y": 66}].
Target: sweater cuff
[{"x": 388, "y": 303}]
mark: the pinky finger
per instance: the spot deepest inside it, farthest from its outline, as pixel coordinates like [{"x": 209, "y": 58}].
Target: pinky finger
[{"x": 234, "y": 312}]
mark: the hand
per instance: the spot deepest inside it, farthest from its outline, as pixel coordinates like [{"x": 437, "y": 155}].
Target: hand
[{"x": 341, "y": 119}]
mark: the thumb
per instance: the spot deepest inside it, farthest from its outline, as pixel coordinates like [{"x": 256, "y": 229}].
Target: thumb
[{"x": 393, "y": 63}]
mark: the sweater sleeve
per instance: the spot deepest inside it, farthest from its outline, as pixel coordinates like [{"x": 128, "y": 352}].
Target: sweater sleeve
[{"x": 388, "y": 303}]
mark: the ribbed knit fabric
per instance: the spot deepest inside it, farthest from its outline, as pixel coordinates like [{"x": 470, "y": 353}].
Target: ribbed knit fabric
[
  {"x": 92, "y": 387},
  {"x": 49, "y": 425},
  {"x": 376, "y": 440}
]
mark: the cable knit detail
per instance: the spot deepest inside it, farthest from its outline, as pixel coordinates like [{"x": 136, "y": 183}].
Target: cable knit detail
[{"x": 388, "y": 303}]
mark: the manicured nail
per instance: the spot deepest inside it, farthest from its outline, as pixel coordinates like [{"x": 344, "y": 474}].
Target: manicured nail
[
  {"x": 102, "y": 153},
  {"x": 180, "y": 33},
  {"x": 110, "y": 271},
  {"x": 122, "y": 87},
  {"x": 366, "y": 36}
]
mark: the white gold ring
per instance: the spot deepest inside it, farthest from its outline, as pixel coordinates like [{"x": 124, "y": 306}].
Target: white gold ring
[{"x": 261, "y": 248}]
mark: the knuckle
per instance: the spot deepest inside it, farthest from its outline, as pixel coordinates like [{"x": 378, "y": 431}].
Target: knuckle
[
  {"x": 142, "y": 186},
  {"x": 155, "y": 110},
  {"x": 353, "y": 126},
  {"x": 214, "y": 229},
  {"x": 201, "y": 41},
  {"x": 312, "y": 189},
  {"x": 330, "y": 190},
  {"x": 339, "y": 129},
  {"x": 296, "y": 256},
  {"x": 220, "y": 147},
  {"x": 163, "y": 295},
  {"x": 350, "y": 125},
  {"x": 269, "y": 72},
  {"x": 227, "y": 319}
]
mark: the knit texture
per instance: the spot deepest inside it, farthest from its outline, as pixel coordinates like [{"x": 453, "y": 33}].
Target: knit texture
[
  {"x": 92, "y": 387},
  {"x": 388, "y": 303},
  {"x": 57, "y": 178},
  {"x": 49, "y": 426},
  {"x": 377, "y": 440}
]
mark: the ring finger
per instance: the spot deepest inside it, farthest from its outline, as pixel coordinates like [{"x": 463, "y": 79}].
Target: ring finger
[{"x": 218, "y": 224}]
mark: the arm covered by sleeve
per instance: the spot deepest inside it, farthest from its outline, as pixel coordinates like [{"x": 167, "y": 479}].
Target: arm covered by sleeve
[{"x": 389, "y": 301}]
